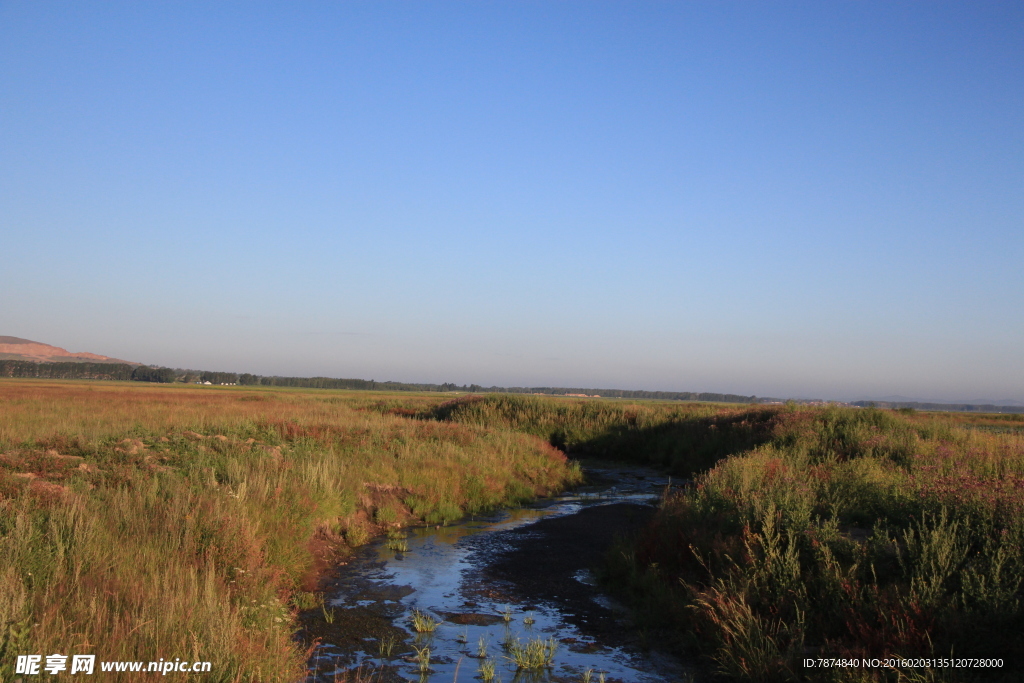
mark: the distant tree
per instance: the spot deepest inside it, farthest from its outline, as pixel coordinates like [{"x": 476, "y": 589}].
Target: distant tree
[
  {"x": 144, "y": 373},
  {"x": 109, "y": 371}
]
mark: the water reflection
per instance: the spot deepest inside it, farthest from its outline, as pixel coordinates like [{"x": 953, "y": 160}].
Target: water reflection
[{"x": 478, "y": 637}]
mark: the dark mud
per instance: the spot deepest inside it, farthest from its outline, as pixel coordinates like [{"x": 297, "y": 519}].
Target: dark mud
[
  {"x": 554, "y": 560},
  {"x": 519, "y": 576}
]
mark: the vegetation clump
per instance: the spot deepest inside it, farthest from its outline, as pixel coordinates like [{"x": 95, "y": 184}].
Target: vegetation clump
[
  {"x": 847, "y": 533},
  {"x": 487, "y": 670},
  {"x": 535, "y": 653},
  {"x": 423, "y": 622}
]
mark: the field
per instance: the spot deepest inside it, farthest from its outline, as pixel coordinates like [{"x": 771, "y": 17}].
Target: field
[
  {"x": 843, "y": 535},
  {"x": 149, "y": 522},
  {"x": 824, "y": 533},
  {"x": 145, "y": 522}
]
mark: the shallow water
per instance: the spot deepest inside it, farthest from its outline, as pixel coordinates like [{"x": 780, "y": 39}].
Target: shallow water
[{"x": 439, "y": 576}]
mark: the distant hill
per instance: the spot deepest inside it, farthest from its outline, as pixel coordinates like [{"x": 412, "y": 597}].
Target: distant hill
[{"x": 15, "y": 348}]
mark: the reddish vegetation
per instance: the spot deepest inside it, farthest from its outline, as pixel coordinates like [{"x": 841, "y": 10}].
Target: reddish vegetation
[{"x": 150, "y": 518}]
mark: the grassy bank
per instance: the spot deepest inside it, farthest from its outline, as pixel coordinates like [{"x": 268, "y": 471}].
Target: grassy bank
[
  {"x": 682, "y": 438},
  {"x": 146, "y": 522},
  {"x": 844, "y": 533},
  {"x": 811, "y": 532}
]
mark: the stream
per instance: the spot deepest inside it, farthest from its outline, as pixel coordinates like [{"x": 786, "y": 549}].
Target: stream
[{"x": 496, "y": 586}]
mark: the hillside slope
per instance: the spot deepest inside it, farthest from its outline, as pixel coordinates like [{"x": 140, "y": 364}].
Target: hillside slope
[{"x": 15, "y": 348}]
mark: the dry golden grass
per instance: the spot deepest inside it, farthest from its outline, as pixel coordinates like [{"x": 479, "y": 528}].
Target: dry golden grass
[{"x": 140, "y": 522}]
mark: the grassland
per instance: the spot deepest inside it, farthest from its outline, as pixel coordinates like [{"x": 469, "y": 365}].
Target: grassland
[
  {"x": 807, "y": 533},
  {"x": 844, "y": 534},
  {"x": 149, "y": 522}
]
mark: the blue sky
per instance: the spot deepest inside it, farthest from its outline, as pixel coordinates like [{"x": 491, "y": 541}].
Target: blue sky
[{"x": 787, "y": 199}]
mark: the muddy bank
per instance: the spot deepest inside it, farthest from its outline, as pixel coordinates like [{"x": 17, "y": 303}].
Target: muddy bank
[
  {"x": 489, "y": 585},
  {"x": 553, "y": 560}
]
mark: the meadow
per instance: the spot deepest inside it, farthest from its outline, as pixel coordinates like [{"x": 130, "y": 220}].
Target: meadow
[
  {"x": 144, "y": 522},
  {"x": 812, "y": 534},
  {"x": 844, "y": 534},
  {"x": 162, "y": 522}
]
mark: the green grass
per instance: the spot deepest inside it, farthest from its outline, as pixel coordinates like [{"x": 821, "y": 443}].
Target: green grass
[
  {"x": 845, "y": 533},
  {"x": 681, "y": 437},
  {"x": 399, "y": 545},
  {"x": 807, "y": 532},
  {"x": 304, "y": 600},
  {"x": 386, "y": 646},
  {"x": 535, "y": 653},
  {"x": 423, "y": 622},
  {"x": 422, "y": 659},
  {"x": 487, "y": 670}
]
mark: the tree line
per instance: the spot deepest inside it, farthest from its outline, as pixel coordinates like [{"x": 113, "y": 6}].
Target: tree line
[
  {"x": 955, "y": 407},
  {"x": 147, "y": 373},
  {"x": 27, "y": 368}
]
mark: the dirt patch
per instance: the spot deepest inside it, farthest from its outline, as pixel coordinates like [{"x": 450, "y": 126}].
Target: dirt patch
[
  {"x": 350, "y": 628},
  {"x": 550, "y": 560},
  {"x": 471, "y": 618}
]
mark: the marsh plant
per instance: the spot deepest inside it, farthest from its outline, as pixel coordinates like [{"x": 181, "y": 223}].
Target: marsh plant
[
  {"x": 399, "y": 545},
  {"x": 488, "y": 670},
  {"x": 506, "y": 614},
  {"x": 463, "y": 636},
  {"x": 481, "y": 647},
  {"x": 528, "y": 620},
  {"x": 328, "y": 613},
  {"x": 386, "y": 646},
  {"x": 422, "y": 659},
  {"x": 423, "y": 622},
  {"x": 536, "y": 653},
  {"x": 304, "y": 600}
]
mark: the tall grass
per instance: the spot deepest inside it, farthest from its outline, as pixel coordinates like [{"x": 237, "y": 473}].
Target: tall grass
[
  {"x": 846, "y": 533},
  {"x": 682, "y": 437},
  {"x": 142, "y": 522},
  {"x": 139, "y": 523}
]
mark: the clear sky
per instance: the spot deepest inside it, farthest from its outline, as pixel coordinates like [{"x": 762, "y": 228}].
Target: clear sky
[{"x": 781, "y": 199}]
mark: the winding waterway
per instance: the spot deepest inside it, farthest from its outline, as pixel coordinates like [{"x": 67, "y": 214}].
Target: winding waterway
[{"x": 465, "y": 577}]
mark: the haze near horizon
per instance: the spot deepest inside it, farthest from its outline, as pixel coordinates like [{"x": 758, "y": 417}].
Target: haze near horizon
[{"x": 791, "y": 199}]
